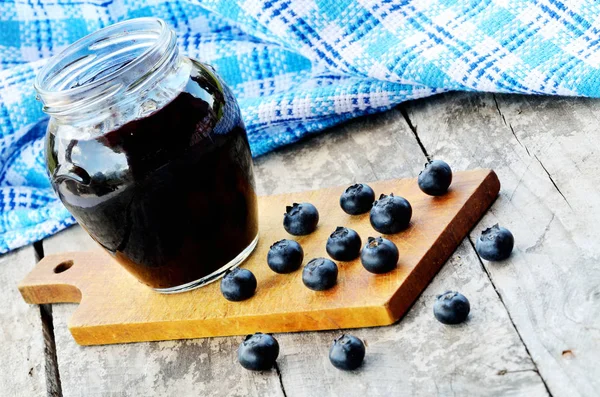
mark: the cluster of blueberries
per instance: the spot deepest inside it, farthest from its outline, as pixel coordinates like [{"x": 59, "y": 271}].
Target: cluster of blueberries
[{"x": 388, "y": 215}]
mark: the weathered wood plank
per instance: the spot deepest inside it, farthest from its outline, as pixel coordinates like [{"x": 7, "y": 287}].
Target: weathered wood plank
[
  {"x": 373, "y": 148},
  {"x": 22, "y": 363},
  {"x": 206, "y": 367},
  {"x": 543, "y": 151},
  {"x": 418, "y": 356}
]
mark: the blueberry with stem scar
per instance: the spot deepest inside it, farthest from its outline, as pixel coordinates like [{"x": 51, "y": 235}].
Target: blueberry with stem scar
[
  {"x": 320, "y": 274},
  {"x": 451, "y": 307},
  {"x": 343, "y": 244},
  {"x": 238, "y": 284},
  {"x": 435, "y": 178},
  {"x": 285, "y": 256},
  {"x": 390, "y": 214},
  {"x": 495, "y": 243},
  {"x": 300, "y": 219},
  {"x": 347, "y": 352},
  {"x": 379, "y": 256},
  {"x": 258, "y": 352},
  {"x": 357, "y": 199}
]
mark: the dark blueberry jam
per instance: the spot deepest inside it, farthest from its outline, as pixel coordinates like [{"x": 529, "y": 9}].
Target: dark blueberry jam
[{"x": 170, "y": 195}]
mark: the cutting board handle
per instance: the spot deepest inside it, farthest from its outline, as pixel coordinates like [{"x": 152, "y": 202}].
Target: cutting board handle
[{"x": 58, "y": 278}]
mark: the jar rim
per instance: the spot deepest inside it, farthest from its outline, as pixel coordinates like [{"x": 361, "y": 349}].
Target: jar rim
[{"x": 57, "y": 82}]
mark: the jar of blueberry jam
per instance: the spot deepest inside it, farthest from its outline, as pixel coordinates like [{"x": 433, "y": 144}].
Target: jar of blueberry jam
[{"x": 147, "y": 149}]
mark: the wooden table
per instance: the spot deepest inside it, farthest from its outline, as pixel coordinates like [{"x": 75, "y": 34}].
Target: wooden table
[{"x": 534, "y": 328}]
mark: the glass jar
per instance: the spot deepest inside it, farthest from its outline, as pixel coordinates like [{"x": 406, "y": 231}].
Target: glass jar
[{"x": 147, "y": 149}]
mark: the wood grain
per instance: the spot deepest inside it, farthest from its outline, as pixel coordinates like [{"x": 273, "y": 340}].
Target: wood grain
[
  {"x": 484, "y": 358},
  {"x": 281, "y": 303},
  {"x": 544, "y": 151},
  {"x": 205, "y": 367},
  {"x": 417, "y": 356},
  {"x": 22, "y": 363}
]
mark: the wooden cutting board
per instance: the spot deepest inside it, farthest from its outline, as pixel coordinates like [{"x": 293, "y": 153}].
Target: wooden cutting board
[{"x": 116, "y": 308}]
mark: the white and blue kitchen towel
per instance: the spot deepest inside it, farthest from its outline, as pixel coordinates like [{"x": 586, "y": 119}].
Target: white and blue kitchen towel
[{"x": 296, "y": 66}]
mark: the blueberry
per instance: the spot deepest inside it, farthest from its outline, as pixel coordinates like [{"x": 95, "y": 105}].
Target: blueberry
[
  {"x": 347, "y": 352},
  {"x": 451, "y": 307},
  {"x": 285, "y": 256},
  {"x": 379, "y": 256},
  {"x": 238, "y": 285},
  {"x": 357, "y": 199},
  {"x": 495, "y": 243},
  {"x": 435, "y": 178},
  {"x": 343, "y": 244},
  {"x": 300, "y": 219},
  {"x": 390, "y": 214},
  {"x": 258, "y": 352},
  {"x": 320, "y": 274}
]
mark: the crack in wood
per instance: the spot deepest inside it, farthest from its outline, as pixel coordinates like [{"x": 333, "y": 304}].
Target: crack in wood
[
  {"x": 535, "y": 366},
  {"x": 38, "y": 249},
  {"x": 489, "y": 277},
  {"x": 52, "y": 375},
  {"x": 525, "y": 147},
  {"x": 413, "y": 128},
  {"x": 498, "y": 109},
  {"x": 53, "y": 385},
  {"x": 516, "y": 371},
  {"x": 518, "y": 140},
  {"x": 509, "y": 125},
  {"x": 552, "y": 180},
  {"x": 277, "y": 370}
]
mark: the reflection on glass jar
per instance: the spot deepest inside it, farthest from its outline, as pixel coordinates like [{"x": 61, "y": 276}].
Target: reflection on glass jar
[{"x": 147, "y": 149}]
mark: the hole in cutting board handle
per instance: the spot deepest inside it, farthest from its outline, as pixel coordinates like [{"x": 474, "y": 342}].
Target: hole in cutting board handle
[{"x": 63, "y": 266}]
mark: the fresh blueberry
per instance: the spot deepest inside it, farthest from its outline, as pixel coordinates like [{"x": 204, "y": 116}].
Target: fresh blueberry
[
  {"x": 300, "y": 219},
  {"x": 495, "y": 243},
  {"x": 390, "y": 214},
  {"x": 435, "y": 178},
  {"x": 285, "y": 256},
  {"x": 343, "y": 244},
  {"x": 379, "y": 256},
  {"x": 320, "y": 274},
  {"x": 238, "y": 284},
  {"x": 258, "y": 352},
  {"x": 347, "y": 352},
  {"x": 357, "y": 199},
  {"x": 451, "y": 307}
]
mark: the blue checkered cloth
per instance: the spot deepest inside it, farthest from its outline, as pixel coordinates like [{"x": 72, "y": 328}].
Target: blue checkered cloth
[{"x": 296, "y": 67}]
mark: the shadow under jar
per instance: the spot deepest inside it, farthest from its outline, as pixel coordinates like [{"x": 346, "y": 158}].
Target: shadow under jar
[{"x": 147, "y": 149}]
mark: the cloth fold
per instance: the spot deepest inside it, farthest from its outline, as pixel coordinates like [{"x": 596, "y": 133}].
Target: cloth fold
[{"x": 296, "y": 66}]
